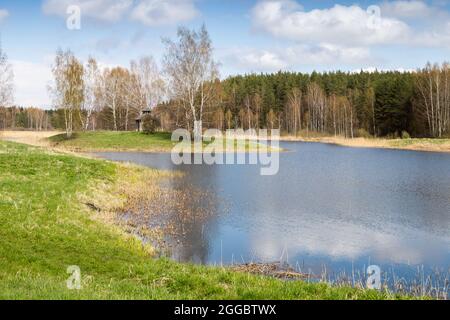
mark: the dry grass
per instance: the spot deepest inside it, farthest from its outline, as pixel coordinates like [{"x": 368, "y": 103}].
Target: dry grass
[
  {"x": 134, "y": 185},
  {"x": 34, "y": 138},
  {"x": 431, "y": 145}
]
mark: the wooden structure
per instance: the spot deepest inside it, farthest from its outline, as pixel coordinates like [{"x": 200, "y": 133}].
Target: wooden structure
[{"x": 140, "y": 118}]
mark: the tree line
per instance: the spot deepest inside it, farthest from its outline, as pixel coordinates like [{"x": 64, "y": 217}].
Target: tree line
[{"x": 187, "y": 91}]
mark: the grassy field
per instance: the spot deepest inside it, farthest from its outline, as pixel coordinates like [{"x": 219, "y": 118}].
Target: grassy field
[{"x": 45, "y": 226}]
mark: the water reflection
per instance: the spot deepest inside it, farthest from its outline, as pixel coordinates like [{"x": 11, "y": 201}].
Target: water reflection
[{"x": 328, "y": 204}]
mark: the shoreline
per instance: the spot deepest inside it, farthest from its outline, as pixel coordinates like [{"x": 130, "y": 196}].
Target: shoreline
[
  {"x": 42, "y": 139},
  {"x": 86, "y": 217},
  {"x": 413, "y": 144}
]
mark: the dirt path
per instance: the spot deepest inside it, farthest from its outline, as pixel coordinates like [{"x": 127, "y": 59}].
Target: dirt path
[{"x": 35, "y": 138}]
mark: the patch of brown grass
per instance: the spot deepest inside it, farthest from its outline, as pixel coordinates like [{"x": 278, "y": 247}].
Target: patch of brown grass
[
  {"x": 430, "y": 145},
  {"x": 34, "y": 138},
  {"x": 134, "y": 185}
]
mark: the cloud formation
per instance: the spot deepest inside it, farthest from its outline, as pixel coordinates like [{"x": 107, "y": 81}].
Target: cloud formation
[
  {"x": 293, "y": 56},
  {"x": 147, "y": 12},
  {"x": 349, "y": 25},
  {"x": 408, "y": 9},
  {"x": 344, "y": 34}
]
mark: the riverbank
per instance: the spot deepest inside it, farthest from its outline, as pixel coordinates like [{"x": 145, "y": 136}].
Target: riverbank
[
  {"x": 109, "y": 141},
  {"x": 77, "y": 224},
  {"x": 113, "y": 141},
  {"x": 415, "y": 144}
]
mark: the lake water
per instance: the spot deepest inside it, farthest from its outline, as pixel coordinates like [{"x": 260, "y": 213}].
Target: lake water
[{"x": 329, "y": 208}]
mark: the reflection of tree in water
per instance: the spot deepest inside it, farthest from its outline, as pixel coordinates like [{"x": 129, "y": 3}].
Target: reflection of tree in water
[{"x": 175, "y": 220}]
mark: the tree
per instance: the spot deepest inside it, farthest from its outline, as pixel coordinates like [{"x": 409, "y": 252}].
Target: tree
[
  {"x": 149, "y": 82},
  {"x": 229, "y": 118},
  {"x": 6, "y": 80},
  {"x": 293, "y": 112},
  {"x": 111, "y": 89},
  {"x": 191, "y": 70},
  {"x": 91, "y": 80},
  {"x": 317, "y": 107},
  {"x": 433, "y": 86},
  {"x": 67, "y": 89},
  {"x": 149, "y": 124}
]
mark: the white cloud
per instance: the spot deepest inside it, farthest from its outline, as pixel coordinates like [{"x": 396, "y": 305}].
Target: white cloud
[
  {"x": 408, "y": 9},
  {"x": 164, "y": 12},
  {"x": 342, "y": 25},
  {"x": 147, "y": 12},
  {"x": 30, "y": 82},
  {"x": 3, "y": 14},
  {"x": 260, "y": 60},
  {"x": 292, "y": 57}
]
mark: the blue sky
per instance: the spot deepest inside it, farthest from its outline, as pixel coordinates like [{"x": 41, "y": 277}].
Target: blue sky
[{"x": 248, "y": 35}]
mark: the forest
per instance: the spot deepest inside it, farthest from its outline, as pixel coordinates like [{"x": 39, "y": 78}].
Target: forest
[
  {"x": 335, "y": 103},
  {"x": 188, "y": 89}
]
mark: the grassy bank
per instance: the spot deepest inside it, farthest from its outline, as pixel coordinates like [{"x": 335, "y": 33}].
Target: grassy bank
[
  {"x": 56, "y": 210},
  {"x": 99, "y": 141},
  {"x": 114, "y": 141},
  {"x": 417, "y": 144}
]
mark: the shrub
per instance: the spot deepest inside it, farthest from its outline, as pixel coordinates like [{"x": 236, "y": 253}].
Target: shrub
[
  {"x": 149, "y": 124},
  {"x": 405, "y": 135},
  {"x": 363, "y": 134}
]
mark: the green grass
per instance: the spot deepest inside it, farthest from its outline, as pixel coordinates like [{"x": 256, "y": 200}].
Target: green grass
[
  {"x": 114, "y": 141},
  {"x": 125, "y": 141},
  {"x": 44, "y": 228}
]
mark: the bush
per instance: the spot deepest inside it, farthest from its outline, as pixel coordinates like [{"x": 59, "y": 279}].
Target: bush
[
  {"x": 363, "y": 134},
  {"x": 149, "y": 124},
  {"x": 405, "y": 135}
]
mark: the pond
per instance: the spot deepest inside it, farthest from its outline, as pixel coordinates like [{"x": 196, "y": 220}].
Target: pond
[{"x": 330, "y": 208}]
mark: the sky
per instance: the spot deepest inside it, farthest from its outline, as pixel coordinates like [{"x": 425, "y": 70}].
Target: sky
[{"x": 248, "y": 35}]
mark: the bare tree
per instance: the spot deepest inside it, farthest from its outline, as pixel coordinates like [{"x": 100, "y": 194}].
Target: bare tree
[
  {"x": 294, "y": 112},
  {"x": 191, "y": 70},
  {"x": 67, "y": 87},
  {"x": 91, "y": 80},
  {"x": 257, "y": 103},
  {"x": 433, "y": 85},
  {"x": 111, "y": 92},
  {"x": 317, "y": 107},
  {"x": 149, "y": 82},
  {"x": 6, "y": 80}
]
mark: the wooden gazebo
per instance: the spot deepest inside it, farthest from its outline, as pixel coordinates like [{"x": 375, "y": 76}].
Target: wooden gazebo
[{"x": 141, "y": 116}]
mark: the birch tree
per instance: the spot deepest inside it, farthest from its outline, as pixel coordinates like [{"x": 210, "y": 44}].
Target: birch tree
[
  {"x": 317, "y": 107},
  {"x": 67, "y": 88},
  {"x": 91, "y": 80},
  {"x": 149, "y": 82},
  {"x": 6, "y": 80},
  {"x": 191, "y": 70},
  {"x": 433, "y": 86},
  {"x": 294, "y": 112}
]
